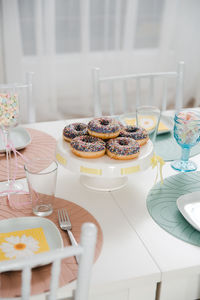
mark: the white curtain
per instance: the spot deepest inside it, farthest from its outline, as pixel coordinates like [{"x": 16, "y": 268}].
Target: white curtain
[{"x": 62, "y": 40}]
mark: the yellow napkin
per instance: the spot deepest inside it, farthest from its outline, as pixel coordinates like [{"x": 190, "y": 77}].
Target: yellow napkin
[
  {"x": 149, "y": 122},
  {"x": 22, "y": 243},
  {"x": 162, "y": 127}
]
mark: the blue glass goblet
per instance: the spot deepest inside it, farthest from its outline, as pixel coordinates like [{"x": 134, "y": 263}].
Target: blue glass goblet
[{"x": 187, "y": 135}]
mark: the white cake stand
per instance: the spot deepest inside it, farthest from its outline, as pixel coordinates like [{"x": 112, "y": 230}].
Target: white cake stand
[{"x": 104, "y": 173}]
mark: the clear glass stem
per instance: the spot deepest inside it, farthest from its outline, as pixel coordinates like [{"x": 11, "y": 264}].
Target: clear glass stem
[
  {"x": 185, "y": 154},
  {"x": 8, "y": 154}
]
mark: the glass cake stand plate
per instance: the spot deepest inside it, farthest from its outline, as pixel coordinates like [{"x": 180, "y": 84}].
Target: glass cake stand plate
[
  {"x": 189, "y": 206},
  {"x": 104, "y": 173}
]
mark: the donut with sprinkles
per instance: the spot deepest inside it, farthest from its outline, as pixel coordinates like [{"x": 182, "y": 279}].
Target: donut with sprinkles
[
  {"x": 88, "y": 146},
  {"x": 104, "y": 128},
  {"x": 137, "y": 133},
  {"x": 122, "y": 148},
  {"x": 73, "y": 130}
]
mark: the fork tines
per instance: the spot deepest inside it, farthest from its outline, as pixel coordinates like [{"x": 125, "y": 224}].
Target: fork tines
[{"x": 63, "y": 215}]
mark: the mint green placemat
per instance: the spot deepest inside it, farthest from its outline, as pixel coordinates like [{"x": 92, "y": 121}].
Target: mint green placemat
[
  {"x": 161, "y": 204},
  {"x": 167, "y": 147}
]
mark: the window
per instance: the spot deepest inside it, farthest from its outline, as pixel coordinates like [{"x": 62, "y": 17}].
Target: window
[
  {"x": 148, "y": 25},
  {"x": 68, "y": 19},
  {"x": 106, "y": 24},
  {"x": 27, "y": 26}
]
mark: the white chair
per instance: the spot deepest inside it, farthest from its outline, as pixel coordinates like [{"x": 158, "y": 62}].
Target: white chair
[
  {"x": 24, "y": 91},
  {"x": 136, "y": 81},
  {"x": 85, "y": 249}
]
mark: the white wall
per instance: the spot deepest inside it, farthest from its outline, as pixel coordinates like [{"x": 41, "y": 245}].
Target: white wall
[
  {"x": 185, "y": 45},
  {"x": 2, "y": 77}
]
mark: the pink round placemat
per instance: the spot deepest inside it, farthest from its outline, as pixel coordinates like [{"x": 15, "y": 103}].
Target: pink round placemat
[
  {"x": 42, "y": 146},
  {"x": 11, "y": 281}
]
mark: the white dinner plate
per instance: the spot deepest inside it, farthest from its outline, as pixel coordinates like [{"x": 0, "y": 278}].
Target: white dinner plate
[
  {"x": 50, "y": 230},
  {"x": 19, "y": 136},
  {"x": 166, "y": 123},
  {"x": 189, "y": 206}
]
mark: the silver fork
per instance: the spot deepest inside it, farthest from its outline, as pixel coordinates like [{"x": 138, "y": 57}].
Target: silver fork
[{"x": 66, "y": 225}]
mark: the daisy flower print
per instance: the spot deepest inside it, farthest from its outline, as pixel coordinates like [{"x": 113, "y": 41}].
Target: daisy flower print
[
  {"x": 147, "y": 122},
  {"x": 22, "y": 243},
  {"x": 16, "y": 246}
]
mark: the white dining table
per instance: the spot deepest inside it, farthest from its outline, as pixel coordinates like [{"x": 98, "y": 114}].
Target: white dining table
[{"x": 139, "y": 260}]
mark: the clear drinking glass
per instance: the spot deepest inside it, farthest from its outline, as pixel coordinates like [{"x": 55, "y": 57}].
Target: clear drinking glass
[
  {"x": 9, "y": 114},
  {"x": 148, "y": 117},
  {"x": 41, "y": 176},
  {"x": 187, "y": 135}
]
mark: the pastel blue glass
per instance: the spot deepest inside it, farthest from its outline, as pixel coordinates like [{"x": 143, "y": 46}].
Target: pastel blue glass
[{"x": 187, "y": 135}]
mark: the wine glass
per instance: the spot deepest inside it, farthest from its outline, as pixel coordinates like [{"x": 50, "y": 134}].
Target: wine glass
[
  {"x": 187, "y": 135},
  {"x": 9, "y": 113}
]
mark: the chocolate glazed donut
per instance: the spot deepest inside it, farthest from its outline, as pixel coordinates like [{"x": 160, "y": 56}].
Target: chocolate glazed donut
[
  {"x": 122, "y": 148},
  {"x": 73, "y": 130},
  {"x": 137, "y": 133},
  {"x": 88, "y": 146},
  {"x": 104, "y": 128}
]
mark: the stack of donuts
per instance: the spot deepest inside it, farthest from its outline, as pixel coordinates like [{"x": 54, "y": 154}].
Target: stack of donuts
[{"x": 105, "y": 135}]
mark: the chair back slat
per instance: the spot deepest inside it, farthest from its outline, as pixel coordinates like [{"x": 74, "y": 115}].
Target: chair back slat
[
  {"x": 164, "y": 99},
  {"x": 26, "y": 282},
  {"x": 138, "y": 91},
  {"x": 124, "y": 95},
  {"x": 31, "y": 107},
  {"x": 179, "y": 86},
  {"x": 111, "y": 87},
  {"x": 88, "y": 241},
  {"x": 152, "y": 99},
  {"x": 55, "y": 272},
  {"x": 96, "y": 89},
  {"x": 151, "y": 91},
  {"x": 138, "y": 75}
]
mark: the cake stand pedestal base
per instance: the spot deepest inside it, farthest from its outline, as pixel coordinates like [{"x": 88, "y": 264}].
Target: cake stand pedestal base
[{"x": 103, "y": 184}]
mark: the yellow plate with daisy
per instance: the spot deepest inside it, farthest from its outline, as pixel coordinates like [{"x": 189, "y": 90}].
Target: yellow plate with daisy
[
  {"x": 26, "y": 236},
  {"x": 149, "y": 123}
]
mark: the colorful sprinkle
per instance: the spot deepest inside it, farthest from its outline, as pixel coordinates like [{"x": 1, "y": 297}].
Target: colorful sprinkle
[
  {"x": 104, "y": 125},
  {"x": 9, "y": 109},
  {"x": 88, "y": 144},
  {"x": 75, "y": 129},
  {"x": 136, "y": 133},
  {"x": 187, "y": 128},
  {"x": 123, "y": 146}
]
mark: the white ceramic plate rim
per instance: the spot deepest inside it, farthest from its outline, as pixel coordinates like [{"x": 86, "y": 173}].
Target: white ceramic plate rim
[
  {"x": 19, "y": 130},
  {"x": 184, "y": 200},
  {"x": 22, "y": 223}
]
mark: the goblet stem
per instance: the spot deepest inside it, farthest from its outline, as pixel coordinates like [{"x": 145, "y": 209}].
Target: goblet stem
[
  {"x": 8, "y": 154},
  {"x": 10, "y": 187},
  {"x": 184, "y": 164},
  {"x": 185, "y": 154}
]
